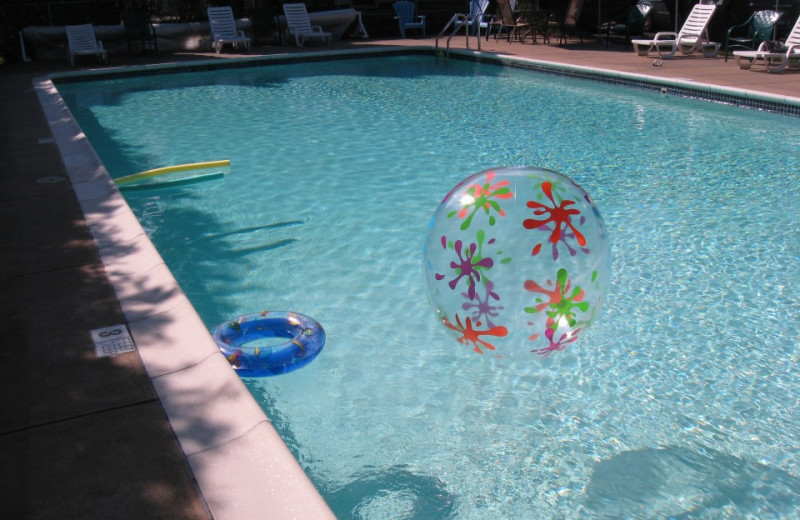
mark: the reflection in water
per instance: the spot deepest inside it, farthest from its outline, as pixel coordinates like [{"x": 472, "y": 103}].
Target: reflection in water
[
  {"x": 679, "y": 483},
  {"x": 395, "y": 493}
]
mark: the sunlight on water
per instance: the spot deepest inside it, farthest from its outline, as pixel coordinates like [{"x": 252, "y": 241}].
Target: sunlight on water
[{"x": 680, "y": 402}]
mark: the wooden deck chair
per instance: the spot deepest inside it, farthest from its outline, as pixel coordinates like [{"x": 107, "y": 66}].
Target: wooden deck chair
[
  {"x": 775, "y": 60},
  {"x": 81, "y": 41},
  {"x": 223, "y": 29},
  {"x": 505, "y": 22},
  {"x": 692, "y": 37},
  {"x": 405, "y": 14},
  {"x": 299, "y": 25}
]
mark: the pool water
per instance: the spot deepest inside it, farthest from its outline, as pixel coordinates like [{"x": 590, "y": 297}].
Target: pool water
[{"x": 682, "y": 399}]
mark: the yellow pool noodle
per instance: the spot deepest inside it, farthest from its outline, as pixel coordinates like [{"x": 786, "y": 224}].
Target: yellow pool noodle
[{"x": 170, "y": 169}]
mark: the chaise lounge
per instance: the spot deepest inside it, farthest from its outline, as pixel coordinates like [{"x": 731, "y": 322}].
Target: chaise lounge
[
  {"x": 299, "y": 25},
  {"x": 692, "y": 37},
  {"x": 774, "y": 60},
  {"x": 223, "y": 29},
  {"x": 81, "y": 41}
]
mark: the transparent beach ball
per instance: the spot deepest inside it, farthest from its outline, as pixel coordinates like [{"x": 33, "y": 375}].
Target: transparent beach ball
[{"x": 516, "y": 262}]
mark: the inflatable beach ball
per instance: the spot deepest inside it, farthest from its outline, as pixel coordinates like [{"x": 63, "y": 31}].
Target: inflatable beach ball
[{"x": 516, "y": 261}]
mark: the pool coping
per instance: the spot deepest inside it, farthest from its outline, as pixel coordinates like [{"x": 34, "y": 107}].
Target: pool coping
[{"x": 220, "y": 427}]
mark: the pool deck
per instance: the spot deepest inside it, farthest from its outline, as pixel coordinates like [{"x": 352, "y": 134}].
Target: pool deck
[{"x": 83, "y": 436}]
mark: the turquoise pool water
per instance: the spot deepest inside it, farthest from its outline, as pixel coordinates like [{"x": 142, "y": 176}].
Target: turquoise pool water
[{"x": 680, "y": 402}]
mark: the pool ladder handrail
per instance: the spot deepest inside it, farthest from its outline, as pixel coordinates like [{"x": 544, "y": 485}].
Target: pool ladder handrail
[{"x": 458, "y": 21}]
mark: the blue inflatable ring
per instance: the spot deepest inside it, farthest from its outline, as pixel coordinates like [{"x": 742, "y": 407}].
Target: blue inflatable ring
[{"x": 262, "y": 357}]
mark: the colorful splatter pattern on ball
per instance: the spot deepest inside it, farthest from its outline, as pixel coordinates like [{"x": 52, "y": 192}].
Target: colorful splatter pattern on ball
[{"x": 516, "y": 260}]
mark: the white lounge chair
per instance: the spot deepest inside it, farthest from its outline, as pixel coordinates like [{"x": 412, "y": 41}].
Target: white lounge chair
[
  {"x": 81, "y": 41},
  {"x": 773, "y": 61},
  {"x": 692, "y": 37},
  {"x": 299, "y": 25},
  {"x": 405, "y": 14},
  {"x": 223, "y": 29}
]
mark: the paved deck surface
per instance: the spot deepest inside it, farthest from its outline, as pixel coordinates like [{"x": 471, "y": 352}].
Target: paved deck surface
[{"x": 86, "y": 437}]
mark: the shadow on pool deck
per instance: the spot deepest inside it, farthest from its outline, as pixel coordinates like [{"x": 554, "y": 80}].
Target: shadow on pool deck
[{"x": 82, "y": 436}]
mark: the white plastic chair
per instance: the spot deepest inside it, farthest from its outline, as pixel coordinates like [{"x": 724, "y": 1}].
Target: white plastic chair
[
  {"x": 81, "y": 41},
  {"x": 692, "y": 37},
  {"x": 299, "y": 25},
  {"x": 407, "y": 18},
  {"x": 223, "y": 29},
  {"x": 773, "y": 61}
]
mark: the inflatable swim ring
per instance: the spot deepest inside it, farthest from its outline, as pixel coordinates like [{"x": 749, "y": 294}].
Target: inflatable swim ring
[{"x": 245, "y": 341}]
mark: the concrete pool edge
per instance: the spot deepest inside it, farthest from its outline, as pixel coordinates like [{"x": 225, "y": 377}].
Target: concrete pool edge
[
  {"x": 242, "y": 466},
  {"x": 241, "y": 436}
]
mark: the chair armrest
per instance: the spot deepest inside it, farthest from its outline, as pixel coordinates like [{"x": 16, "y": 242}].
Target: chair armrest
[
  {"x": 316, "y": 28},
  {"x": 666, "y": 35},
  {"x": 422, "y": 17},
  {"x": 745, "y": 24}
]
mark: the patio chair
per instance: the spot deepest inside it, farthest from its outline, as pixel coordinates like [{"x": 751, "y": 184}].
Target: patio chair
[
  {"x": 223, "y": 29},
  {"x": 81, "y": 42},
  {"x": 775, "y": 60},
  {"x": 139, "y": 29},
  {"x": 407, "y": 18},
  {"x": 299, "y": 25},
  {"x": 569, "y": 22},
  {"x": 634, "y": 24},
  {"x": 692, "y": 37},
  {"x": 759, "y": 26},
  {"x": 505, "y": 21}
]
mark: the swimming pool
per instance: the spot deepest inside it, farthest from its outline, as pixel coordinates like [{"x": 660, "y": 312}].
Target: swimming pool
[{"x": 680, "y": 401}]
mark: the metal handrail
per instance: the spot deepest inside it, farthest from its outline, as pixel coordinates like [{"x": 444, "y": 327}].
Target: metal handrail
[{"x": 458, "y": 21}]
